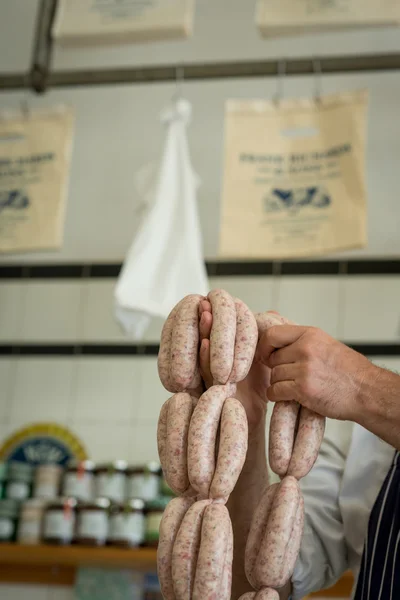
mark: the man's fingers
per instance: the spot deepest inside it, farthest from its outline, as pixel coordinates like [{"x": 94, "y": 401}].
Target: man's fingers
[
  {"x": 278, "y": 336},
  {"x": 205, "y": 306},
  {"x": 284, "y": 356},
  {"x": 205, "y": 325},
  {"x": 284, "y": 373},
  {"x": 283, "y": 390},
  {"x": 204, "y": 360}
]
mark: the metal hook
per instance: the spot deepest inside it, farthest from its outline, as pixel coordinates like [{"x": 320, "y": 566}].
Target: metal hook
[
  {"x": 317, "y": 69},
  {"x": 280, "y": 81}
]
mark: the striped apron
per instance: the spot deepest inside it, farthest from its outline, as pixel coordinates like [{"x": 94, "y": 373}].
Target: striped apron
[{"x": 379, "y": 577}]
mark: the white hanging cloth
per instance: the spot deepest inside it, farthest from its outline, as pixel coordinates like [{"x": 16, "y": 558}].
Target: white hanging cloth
[{"x": 165, "y": 261}]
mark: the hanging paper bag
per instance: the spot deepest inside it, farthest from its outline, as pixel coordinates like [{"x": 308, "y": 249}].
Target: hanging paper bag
[
  {"x": 83, "y": 22},
  {"x": 294, "y": 178},
  {"x": 35, "y": 152},
  {"x": 285, "y": 17}
]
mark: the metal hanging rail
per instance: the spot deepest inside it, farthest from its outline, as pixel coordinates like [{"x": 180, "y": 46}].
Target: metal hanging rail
[{"x": 201, "y": 72}]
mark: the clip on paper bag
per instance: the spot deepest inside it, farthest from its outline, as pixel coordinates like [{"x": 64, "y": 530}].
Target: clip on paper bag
[
  {"x": 286, "y": 17},
  {"x": 35, "y": 152},
  {"x": 85, "y": 22},
  {"x": 294, "y": 178}
]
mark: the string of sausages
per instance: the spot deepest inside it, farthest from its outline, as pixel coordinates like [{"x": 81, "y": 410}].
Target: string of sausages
[{"x": 202, "y": 443}]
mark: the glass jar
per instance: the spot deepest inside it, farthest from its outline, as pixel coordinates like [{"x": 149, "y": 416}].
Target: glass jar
[
  {"x": 47, "y": 481},
  {"x": 8, "y": 519},
  {"x": 78, "y": 480},
  {"x": 59, "y": 521},
  {"x": 154, "y": 511},
  {"x": 110, "y": 480},
  {"x": 3, "y": 476},
  {"x": 19, "y": 480},
  {"x": 144, "y": 482},
  {"x": 92, "y": 523},
  {"x": 127, "y": 524},
  {"x": 29, "y": 528}
]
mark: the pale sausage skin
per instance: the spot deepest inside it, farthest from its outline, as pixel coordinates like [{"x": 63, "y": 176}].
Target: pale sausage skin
[
  {"x": 164, "y": 355},
  {"x": 169, "y": 527},
  {"x": 307, "y": 443},
  {"x": 263, "y": 594},
  {"x": 226, "y": 582},
  {"x": 183, "y": 368},
  {"x": 294, "y": 544},
  {"x": 232, "y": 449},
  {"x": 222, "y": 337},
  {"x": 180, "y": 409},
  {"x": 203, "y": 435},
  {"x": 245, "y": 342},
  {"x": 266, "y": 320},
  {"x": 186, "y": 549},
  {"x": 257, "y": 532},
  {"x": 282, "y": 434},
  {"x": 211, "y": 561},
  {"x": 162, "y": 434},
  {"x": 278, "y": 534}
]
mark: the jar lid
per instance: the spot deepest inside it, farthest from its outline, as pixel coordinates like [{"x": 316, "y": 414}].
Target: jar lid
[
  {"x": 116, "y": 465},
  {"x": 151, "y": 467},
  {"x": 65, "y": 502},
  {"x": 136, "y": 504},
  {"x": 16, "y": 468},
  {"x": 49, "y": 467},
  {"x": 33, "y": 503},
  {"x": 158, "y": 504},
  {"x": 9, "y": 508},
  {"x": 104, "y": 503},
  {"x": 84, "y": 465}
]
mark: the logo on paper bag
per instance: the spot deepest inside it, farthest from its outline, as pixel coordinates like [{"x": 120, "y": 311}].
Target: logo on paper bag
[
  {"x": 16, "y": 199},
  {"x": 294, "y": 200}
]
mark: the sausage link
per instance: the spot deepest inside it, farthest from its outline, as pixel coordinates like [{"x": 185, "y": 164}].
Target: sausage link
[
  {"x": 245, "y": 342},
  {"x": 232, "y": 449},
  {"x": 257, "y": 532},
  {"x": 307, "y": 443},
  {"x": 266, "y": 320},
  {"x": 203, "y": 434},
  {"x": 248, "y": 596},
  {"x": 180, "y": 410},
  {"x": 272, "y": 557},
  {"x": 226, "y": 583},
  {"x": 186, "y": 550},
  {"x": 294, "y": 545},
  {"x": 162, "y": 434},
  {"x": 282, "y": 433},
  {"x": 222, "y": 337},
  {"x": 184, "y": 373},
  {"x": 215, "y": 533},
  {"x": 164, "y": 355},
  {"x": 169, "y": 527},
  {"x": 267, "y": 594}
]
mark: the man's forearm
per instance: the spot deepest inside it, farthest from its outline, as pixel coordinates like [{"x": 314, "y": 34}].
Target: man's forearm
[
  {"x": 243, "y": 502},
  {"x": 378, "y": 407}
]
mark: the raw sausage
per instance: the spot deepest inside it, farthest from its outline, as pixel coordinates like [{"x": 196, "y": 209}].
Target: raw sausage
[
  {"x": 169, "y": 527},
  {"x": 186, "y": 550},
  {"x": 162, "y": 434},
  {"x": 164, "y": 355},
  {"x": 203, "y": 434},
  {"x": 232, "y": 449},
  {"x": 267, "y": 594},
  {"x": 282, "y": 433},
  {"x": 307, "y": 443},
  {"x": 211, "y": 562},
  {"x": 226, "y": 583},
  {"x": 271, "y": 560},
  {"x": 180, "y": 409},
  {"x": 266, "y": 320},
  {"x": 294, "y": 544},
  {"x": 245, "y": 342},
  {"x": 222, "y": 337},
  {"x": 183, "y": 370},
  {"x": 257, "y": 532}
]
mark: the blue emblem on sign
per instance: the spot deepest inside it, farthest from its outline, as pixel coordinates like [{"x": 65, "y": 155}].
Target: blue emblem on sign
[{"x": 294, "y": 200}]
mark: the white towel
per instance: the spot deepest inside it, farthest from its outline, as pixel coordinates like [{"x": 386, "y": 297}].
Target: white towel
[{"x": 165, "y": 261}]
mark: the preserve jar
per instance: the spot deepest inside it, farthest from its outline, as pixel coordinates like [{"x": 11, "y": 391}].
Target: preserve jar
[
  {"x": 154, "y": 512},
  {"x": 144, "y": 482},
  {"x": 47, "y": 481},
  {"x": 29, "y": 528},
  {"x": 92, "y": 522},
  {"x": 110, "y": 480},
  {"x": 78, "y": 480},
  {"x": 8, "y": 519},
  {"x": 19, "y": 480},
  {"x": 3, "y": 474},
  {"x": 59, "y": 521},
  {"x": 127, "y": 524}
]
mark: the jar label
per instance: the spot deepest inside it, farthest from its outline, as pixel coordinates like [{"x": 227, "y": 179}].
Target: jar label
[
  {"x": 93, "y": 524},
  {"x": 29, "y": 530},
  {"x": 78, "y": 485},
  {"x": 6, "y": 528},
  {"x": 145, "y": 487},
  {"x": 128, "y": 528},
  {"x": 17, "y": 490},
  {"x": 57, "y": 524},
  {"x": 47, "y": 491},
  {"x": 111, "y": 486}
]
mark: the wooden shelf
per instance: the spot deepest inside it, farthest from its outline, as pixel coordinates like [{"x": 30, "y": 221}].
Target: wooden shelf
[{"x": 57, "y": 565}]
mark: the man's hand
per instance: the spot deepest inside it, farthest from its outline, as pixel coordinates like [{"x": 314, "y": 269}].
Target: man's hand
[{"x": 316, "y": 370}]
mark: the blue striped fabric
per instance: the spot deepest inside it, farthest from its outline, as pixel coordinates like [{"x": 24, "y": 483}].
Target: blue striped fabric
[{"x": 379, "y": 577}]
